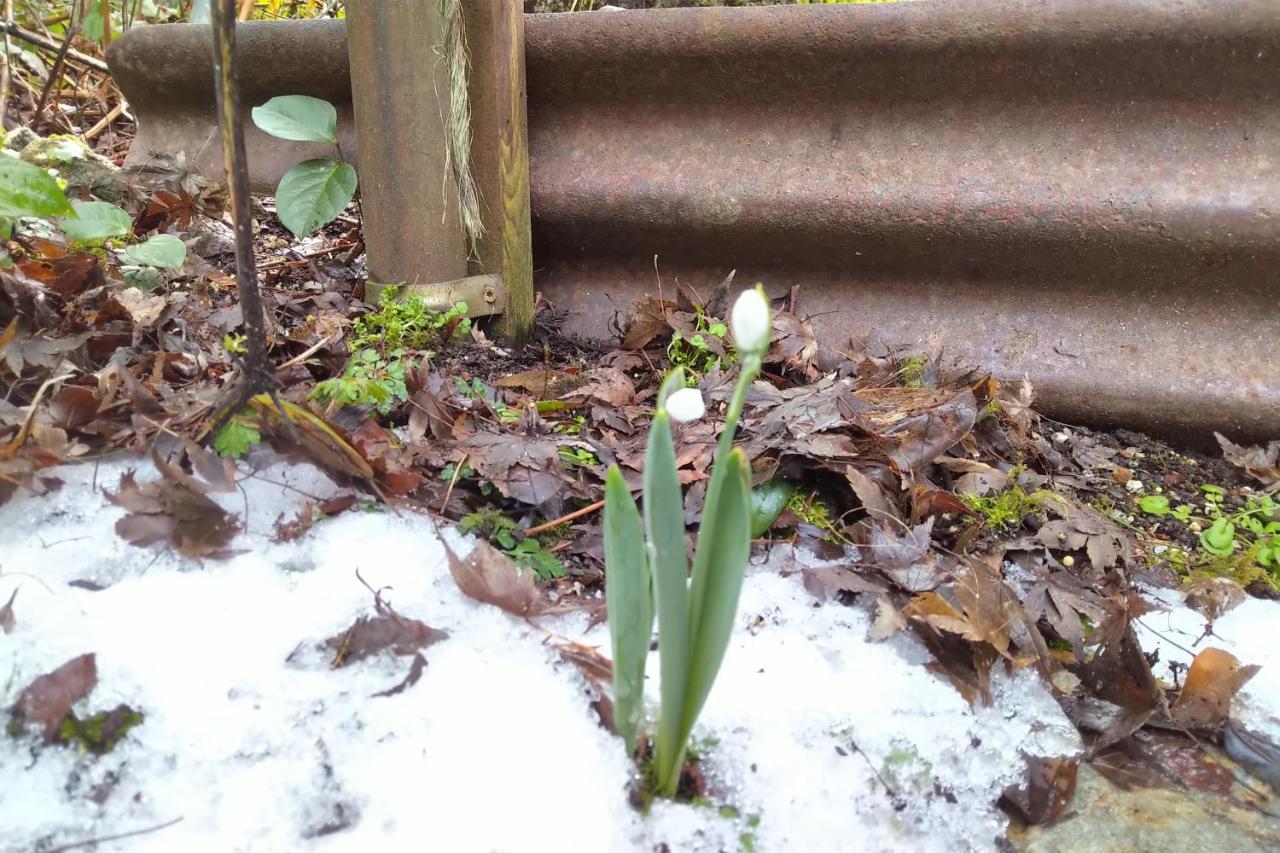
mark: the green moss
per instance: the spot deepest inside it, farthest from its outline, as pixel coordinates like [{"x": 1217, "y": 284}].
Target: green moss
[
  {"x": 1007, "y": 509},
  {"x": 1242, "y": 568},
  {"x": 911, "y": 371},
  {"x": 81, "y": 168},
  {"x": 100, "y": 732},
  {"x": 813, "y": 510}
]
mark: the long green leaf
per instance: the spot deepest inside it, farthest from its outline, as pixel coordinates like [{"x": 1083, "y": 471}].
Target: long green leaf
[
  {"x": 630, "y": 600},
  {"x": 664, "y": 533},
  {"x": 724, "y": 546}
]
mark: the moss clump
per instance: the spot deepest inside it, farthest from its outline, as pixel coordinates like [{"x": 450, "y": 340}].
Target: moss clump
[
  {"x": 80, "y": 167},
  {"x": 1007, "y": 509},
  {"x": 100, "y": 732},
  {"x": 911, "y": 371},
  {"x": 813, "y": 510},
  {"x": 1242, "y": 568}
]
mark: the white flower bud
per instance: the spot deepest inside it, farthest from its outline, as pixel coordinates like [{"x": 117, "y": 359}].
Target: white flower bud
[
  {"x": 750, "y": 321},
  {"x": 686, "y": 405}
]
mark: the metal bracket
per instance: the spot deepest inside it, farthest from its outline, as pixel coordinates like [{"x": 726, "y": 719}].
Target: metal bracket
[{"x": 485, "y": 295}]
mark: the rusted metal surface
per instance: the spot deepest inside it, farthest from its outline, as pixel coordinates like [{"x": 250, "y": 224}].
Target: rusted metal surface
[
  {"x": 1083, "y": 192},
  {"x": 166, "y": 73},
  {"x": 408, "y": 198}
]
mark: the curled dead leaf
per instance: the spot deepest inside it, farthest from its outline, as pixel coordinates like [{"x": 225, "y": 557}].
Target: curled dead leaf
[
  {"x": 1212, "y": 682},
  {"x": 491, "y": 577},
  {"x": 47, "y": 700}
]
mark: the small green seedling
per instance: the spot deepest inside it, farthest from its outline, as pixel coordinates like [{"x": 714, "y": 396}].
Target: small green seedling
[
  {"x": 527, "y": 551},
  {"x": 647, "y": 570}
]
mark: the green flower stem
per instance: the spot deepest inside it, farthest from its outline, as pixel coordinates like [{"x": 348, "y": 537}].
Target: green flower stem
[{"x": 726, "y": 465}]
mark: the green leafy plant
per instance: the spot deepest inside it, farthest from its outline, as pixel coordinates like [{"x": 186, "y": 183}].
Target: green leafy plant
[
  {"x": 1158, "y": 505},
  {"x": 694, "y": 352},
  {"x": 528, "y": 552},
  {"x": 235, "y": 438},
  {"x": 370, "y": 379},
  {"x": 97, "y": 220},
  {"x": 314, "y": 192},
  {"x": 1254, "y": 528},
  {"x": 27, "y": 190},
  {"x": 647, "y": 571},
  {"x": 407, "y": 323},
  {"x": 577, "y": 457},
  {"x": 163, "y": 250}
]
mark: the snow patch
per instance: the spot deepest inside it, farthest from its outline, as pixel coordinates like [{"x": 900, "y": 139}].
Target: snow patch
[{"x": 257, "y": 744}]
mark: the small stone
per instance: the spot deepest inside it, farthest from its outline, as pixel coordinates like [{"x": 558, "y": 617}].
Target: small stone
[
  {"x": 1194, "y": 526},
  {"x": 1134, "y": 486},
  {"x": 1129, "y": 453},
  {"x": 1061, "y": 437},
  {"x": 1121, "y": 476}
]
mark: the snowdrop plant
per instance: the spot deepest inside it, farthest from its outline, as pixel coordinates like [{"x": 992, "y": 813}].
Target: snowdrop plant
[{"x": 647, "y": 570}]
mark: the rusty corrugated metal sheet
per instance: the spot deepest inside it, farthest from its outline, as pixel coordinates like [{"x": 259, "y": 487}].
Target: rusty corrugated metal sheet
[{"x": 1083, "y": 192}]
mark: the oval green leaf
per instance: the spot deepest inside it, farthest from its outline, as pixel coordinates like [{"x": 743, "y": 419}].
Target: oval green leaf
[
  {"x": 27, "y": 190},
  {"x": 96, "y": 220},
  {"x": 1154, "y": 504},
  {"x": 162, "y": 250},
  {"x": 313, "y": 193},
  {"x": 298, "y": 117}
]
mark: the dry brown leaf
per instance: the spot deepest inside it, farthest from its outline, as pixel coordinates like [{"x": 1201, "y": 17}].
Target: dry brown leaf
[
  {"x": 648, "y": 321},
  {"x": 871, "y": 495},
  {"x": 906, "y": 559},
  {"x": 888, "y": 620},
  {"x": 7, "y": 620},
  {"x": 545, "y": 384},
  {"x": 47, "y": 700},
  {"x": 925, "y": 436},
  {"x": 829, "y": 582},
  {"x": 387, "y": 631},
  {"x": 1260, "y": 463},
  {"x": 415, "y": 672},
  {"x": 1212, "y": 682},
  {"x": 606, "y": 386},
  {"x": 1213, "y": 597},
  {"x": 793, "y": 343},
  {"x": 491, "y": 577},
  {"x": 524, "y": 467},
  {"x": 1048, "y": 789},
  {"x": 1080, "y": 526},
  {"x": 74, "y": 406},
  {"x": 177, "y": 510}
]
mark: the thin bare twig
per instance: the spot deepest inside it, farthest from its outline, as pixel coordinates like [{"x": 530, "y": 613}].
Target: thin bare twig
[
  {"x": 93, "y": 841},
  {"x": 55, "y": 73},
  {"x": 10, "y": 28},
  {"x": 7, "y": 73},
  {"x": 577, "y": 513}
]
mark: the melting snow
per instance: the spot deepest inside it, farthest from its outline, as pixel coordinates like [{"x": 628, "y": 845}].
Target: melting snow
[{"x": 496, "y": 748}]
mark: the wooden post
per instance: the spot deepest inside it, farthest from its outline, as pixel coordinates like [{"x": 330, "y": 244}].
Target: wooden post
[
  {"x": 500, "y": 154},
  {"x": 408, "y": 199}
]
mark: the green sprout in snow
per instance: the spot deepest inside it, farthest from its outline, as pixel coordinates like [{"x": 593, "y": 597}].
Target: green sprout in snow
[{"x": 647, "y": 569}]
